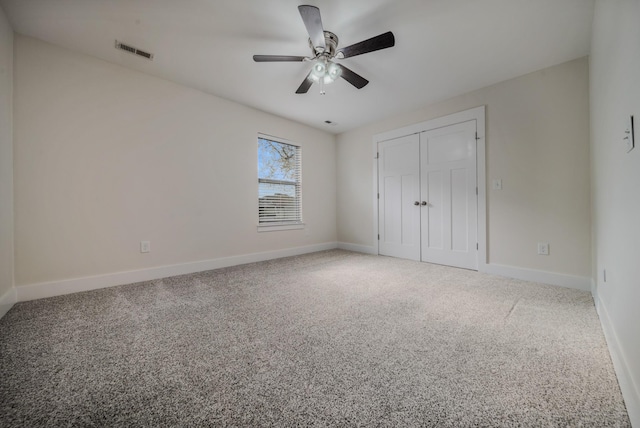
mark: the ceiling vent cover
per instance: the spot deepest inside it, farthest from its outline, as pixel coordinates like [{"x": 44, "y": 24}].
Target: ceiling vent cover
[{"x": 133, "y": 50}]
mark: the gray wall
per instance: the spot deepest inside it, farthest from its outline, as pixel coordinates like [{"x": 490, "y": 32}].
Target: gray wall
[
  {"x": 615, "y": 94},
  {"x": 6, "y": 163},
  {"x": 537, "y": 142},
  {"x": 106, "y": 157}
]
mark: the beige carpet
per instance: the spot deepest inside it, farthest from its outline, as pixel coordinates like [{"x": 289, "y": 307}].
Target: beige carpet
[{"x": 327, "y": 339}]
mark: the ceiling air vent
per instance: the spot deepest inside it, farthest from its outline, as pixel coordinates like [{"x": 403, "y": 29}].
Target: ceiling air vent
[{"x": 133, "y": 50}]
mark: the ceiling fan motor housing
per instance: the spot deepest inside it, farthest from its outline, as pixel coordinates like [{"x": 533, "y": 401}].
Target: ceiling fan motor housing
[{"x": 331, "y": 42}]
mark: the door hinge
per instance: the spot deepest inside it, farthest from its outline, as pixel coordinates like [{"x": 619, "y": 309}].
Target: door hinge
[
  {"x": 477, "y": 138},
  {"x": 378, "y": 236},
  {"x": 477, "y": 247},
  {"x": 377, "y": 155},
  {"x": 378, "y": 195},
  {"x": 476, "y": 190}
]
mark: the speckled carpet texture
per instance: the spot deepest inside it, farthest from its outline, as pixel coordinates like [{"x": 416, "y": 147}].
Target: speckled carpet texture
[{"x": 333, "y": 338}]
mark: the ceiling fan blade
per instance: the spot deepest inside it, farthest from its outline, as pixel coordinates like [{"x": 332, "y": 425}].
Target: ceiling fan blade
[
  {"x": 277, "y": 58},
  {"x": 312, "y": 20},
  {"x": 376, "y": 43},
  {"x": 305, "y": 85},
  {"x": 354, "y": 78}
]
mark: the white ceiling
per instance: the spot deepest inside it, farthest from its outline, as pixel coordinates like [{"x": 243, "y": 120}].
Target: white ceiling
[{"x": 443, "y": 47}]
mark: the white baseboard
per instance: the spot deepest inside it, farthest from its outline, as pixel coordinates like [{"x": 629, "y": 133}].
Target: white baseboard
[
  {"x": 630, "y": 391},
  {"x": 552, "y": 278},
  {"x": 563, "y": 280},
  {"x": 68, "y": 286},
  {"x": 7, "y": 300},
  {"x": 357, "y": 248}
]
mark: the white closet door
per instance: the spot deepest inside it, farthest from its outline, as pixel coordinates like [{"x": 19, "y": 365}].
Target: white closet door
[
  {"x": 399, "y": 191},
  {"x": 448, "y": 189}
]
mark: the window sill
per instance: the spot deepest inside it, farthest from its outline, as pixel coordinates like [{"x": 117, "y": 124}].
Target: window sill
[{"x": 277, "y": 227}]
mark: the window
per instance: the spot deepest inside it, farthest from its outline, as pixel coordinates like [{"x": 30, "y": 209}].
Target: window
[{"x": 279, "y": 184}]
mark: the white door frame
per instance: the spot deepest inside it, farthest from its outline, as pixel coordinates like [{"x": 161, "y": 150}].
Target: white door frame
[{"x": 477, "y": 114}]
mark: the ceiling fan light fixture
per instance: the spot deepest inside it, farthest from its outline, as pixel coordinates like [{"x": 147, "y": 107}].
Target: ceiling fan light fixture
[
  {"x": 325, "y": 71},
  {"x": 333, "y": 71},
  {"x": 328, "y": 79},
  {"x": 319, "y": 69}
]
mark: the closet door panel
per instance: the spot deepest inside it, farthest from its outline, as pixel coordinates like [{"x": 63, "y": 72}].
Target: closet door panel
[
  {"x": 448, "y": 189},
  {"x": 399, "y": 191}
]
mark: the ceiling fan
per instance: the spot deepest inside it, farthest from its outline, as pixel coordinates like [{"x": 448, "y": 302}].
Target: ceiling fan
[{"x": 324, "y": 50}]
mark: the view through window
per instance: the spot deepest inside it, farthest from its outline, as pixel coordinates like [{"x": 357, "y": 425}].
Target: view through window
[{"x": 279, "y": 186}]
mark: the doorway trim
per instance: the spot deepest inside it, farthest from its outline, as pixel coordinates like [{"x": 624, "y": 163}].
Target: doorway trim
[{"x": 477, "y": 114}]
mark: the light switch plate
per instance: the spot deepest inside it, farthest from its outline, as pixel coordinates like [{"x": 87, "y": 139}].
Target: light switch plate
[{"x": 629, "y": 134}]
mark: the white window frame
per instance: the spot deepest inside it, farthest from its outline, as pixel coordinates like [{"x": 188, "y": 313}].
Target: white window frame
[{"x": 284, "y": 225}]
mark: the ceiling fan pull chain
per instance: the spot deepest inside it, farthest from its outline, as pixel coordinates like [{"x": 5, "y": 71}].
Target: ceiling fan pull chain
[{"x": 322, "y": 92}]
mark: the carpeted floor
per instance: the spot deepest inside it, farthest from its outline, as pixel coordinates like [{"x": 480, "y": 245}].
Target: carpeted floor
[{"x": 326, "y": 339}]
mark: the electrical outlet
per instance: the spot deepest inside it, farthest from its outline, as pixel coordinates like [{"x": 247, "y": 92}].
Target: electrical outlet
[
  {"x": 145, "y": 246},
  {"x": 543, "y": 248}
]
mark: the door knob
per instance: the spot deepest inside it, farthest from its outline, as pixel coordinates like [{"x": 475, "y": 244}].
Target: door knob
[
  {"x": 416, "y": 203},
  {"x": 424, "y": 203}
]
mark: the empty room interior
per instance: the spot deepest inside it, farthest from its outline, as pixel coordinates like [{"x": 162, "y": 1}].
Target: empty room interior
[{"x": 362, "y": 213}]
